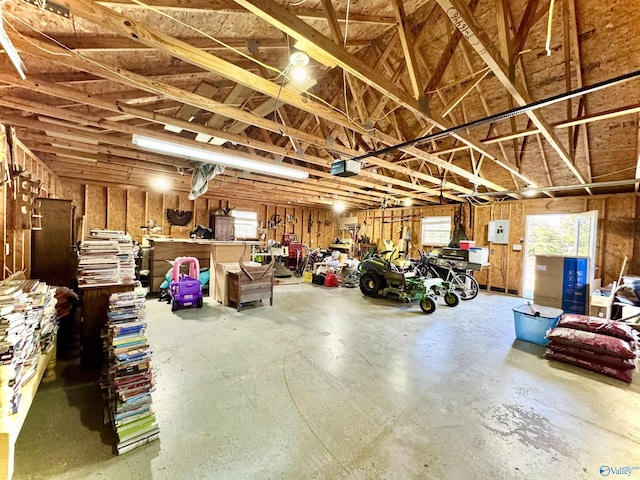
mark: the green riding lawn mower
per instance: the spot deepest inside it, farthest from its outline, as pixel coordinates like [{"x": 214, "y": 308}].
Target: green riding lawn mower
[{"x": 380, "y": 277}]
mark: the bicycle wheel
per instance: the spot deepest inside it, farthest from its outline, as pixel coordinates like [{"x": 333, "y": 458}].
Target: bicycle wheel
[{"x": 465, "y": 286}]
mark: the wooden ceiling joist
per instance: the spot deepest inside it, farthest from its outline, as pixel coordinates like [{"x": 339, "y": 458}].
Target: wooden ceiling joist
[
  {"x": 406, "y": 40},
  {"x": 384, "y": 72},
  {"x": 326, "y": 52},
  {"x": 52, "y": 52},
  {"x": 458, "y": 10},
  {"x": 230, "y": 7}
]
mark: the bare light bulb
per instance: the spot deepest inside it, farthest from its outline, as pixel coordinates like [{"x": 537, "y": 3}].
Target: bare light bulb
[
  {"x": 339, "y": 207},
  {"x": 298, "y": 74},
  {"x": 161, "y": 184},
  {"x": 298, "y": 58}
]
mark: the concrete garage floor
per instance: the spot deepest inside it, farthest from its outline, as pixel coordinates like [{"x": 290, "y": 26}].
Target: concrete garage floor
[{"x": 330, "y": 384}]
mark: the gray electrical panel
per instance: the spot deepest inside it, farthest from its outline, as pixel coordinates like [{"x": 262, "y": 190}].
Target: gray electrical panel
[{"x": 499, "y": 231}]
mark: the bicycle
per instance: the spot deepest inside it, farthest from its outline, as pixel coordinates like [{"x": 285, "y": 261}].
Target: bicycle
[{"x": 462, "y": 283}]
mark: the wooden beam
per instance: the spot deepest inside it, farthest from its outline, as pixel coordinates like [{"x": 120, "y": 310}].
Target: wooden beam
[
  {"x": 637, "y": 186},
  {"x": 187, "y": 112},
  {"x": 328, "y": 53},
  {"x": 110, "y": 19},
  {"x": 460, "y": 15},
  {"x": 514, "y": 172},
  {"x": 446, "y": 55},
  {"x": 545, "y": 162},
  {"x": 582, "y": 104},
  {"x": 566, "y": 48},
  {"x": 408, "y": 47},
  {"x": 336, "y": 33},
  {"x": 502, "y": 19},
  {"x": 133, "y": 154},
  {"x": 526, "y": 23},
  {"x": 230, "y": 7},
  {"x": 148, "y": 35}
]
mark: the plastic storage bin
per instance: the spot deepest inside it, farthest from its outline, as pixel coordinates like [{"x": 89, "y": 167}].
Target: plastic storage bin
[
  {"x": 532, "y": 322},
  {"x": 478, "y": 255}
]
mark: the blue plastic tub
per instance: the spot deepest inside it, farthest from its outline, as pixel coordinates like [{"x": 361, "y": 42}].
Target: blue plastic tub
[{"x": 533, "y": 321}]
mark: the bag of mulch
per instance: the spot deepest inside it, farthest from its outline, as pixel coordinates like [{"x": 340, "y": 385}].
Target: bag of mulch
[
  {"x": 597, "y": 325},
  {"x": 596, "y": 342},
  {"x": 618, "y": 373},
  {"x": 331, "y": 280},
  {"x": 595, "y": 357}
]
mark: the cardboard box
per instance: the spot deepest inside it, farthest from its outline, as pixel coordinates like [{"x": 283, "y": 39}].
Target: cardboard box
[{"x": 562, "y": 282}]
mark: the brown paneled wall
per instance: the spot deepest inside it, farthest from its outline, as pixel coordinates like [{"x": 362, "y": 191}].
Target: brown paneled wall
[
  {"x": 129, "y": 209},
  {"x": 618, "y": 234}
]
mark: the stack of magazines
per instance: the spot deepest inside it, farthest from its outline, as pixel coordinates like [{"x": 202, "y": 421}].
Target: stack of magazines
[{"x": 27, "y": 328}]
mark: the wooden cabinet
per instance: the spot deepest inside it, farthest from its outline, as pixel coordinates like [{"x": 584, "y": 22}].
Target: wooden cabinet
[
  {"x": 242, "y": 289},
  {"x": 51, "y": 246},
  {"x": 95, "y": 305},
  {"x": 223, "y": 227}
]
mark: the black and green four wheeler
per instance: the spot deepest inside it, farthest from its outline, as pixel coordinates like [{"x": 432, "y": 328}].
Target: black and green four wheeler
[{"x": 380, "y": 278}]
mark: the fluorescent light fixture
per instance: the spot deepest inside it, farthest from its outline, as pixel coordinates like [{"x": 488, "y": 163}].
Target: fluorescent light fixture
[{"x": 205, "y": 155}]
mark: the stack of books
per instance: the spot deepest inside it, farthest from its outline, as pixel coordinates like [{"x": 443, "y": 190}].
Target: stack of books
[
  {"x": 27, "y": 328},
  {"x": 126, "y": 261},
  {"x": 127, "y": 381}
]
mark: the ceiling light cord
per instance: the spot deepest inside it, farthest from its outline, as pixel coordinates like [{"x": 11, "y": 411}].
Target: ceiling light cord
[
  {"x": 346, "y": 24},
  {"x": 547, "y": 45}
]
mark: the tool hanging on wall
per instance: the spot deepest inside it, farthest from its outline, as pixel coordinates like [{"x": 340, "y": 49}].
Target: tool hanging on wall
[
  {"x": 292, "y": 219},
  {"x": 274, "y": 221},
  {"x": 309, "y": 223},
  {"x": 179, "y": 217}
]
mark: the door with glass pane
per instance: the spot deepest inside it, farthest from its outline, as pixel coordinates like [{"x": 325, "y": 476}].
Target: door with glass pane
[{"x": 567, "y": 234}]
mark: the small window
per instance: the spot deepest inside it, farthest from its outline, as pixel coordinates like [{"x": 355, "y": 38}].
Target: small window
[
  {"x": 246, "y": 224},
  {"x": 436, "y": 230}
]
